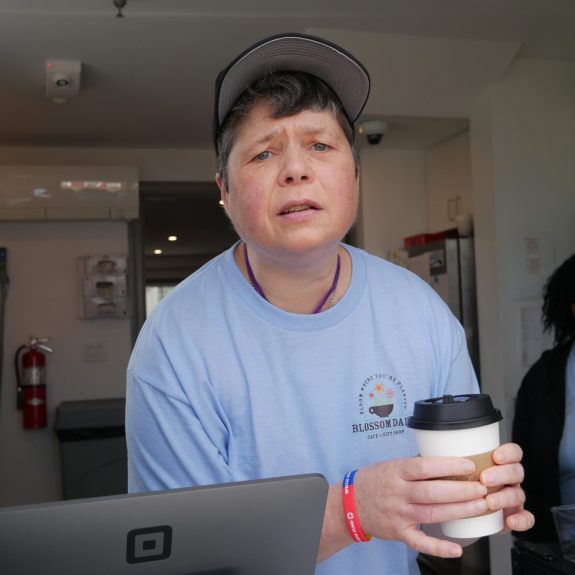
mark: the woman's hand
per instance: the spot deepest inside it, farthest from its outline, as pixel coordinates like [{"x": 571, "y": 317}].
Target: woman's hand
[
  {"x": 395, "y": 498},
  {"x": 508, "y": 475},
  {"x": 405, "y": 499}
]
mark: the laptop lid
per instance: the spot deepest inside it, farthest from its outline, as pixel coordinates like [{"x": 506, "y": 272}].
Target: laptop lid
[{"x": 262, "y": 527}]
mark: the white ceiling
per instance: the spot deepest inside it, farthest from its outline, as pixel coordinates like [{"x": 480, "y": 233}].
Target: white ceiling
[{"x": 148, "y": 77}]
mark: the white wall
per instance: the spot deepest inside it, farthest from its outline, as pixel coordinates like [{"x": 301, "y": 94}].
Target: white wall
[
  {"x": 449, "y": 183},
  {"x": 43, "y": 301},
  {"x": 393, "y": 198},
  {"x": 406, "y": 192},
  {"x": 523, "y": 170},
  {"x": 524, "y": 180}
]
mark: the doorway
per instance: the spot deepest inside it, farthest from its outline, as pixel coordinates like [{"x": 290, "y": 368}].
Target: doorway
[{"x": 181, "y": 227}]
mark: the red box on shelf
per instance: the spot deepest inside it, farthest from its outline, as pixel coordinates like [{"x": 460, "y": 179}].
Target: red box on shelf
[{"x": 428, "y": 238}]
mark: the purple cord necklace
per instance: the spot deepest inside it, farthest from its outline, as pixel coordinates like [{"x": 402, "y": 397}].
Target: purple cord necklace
[{"x": 260, "y": 291}]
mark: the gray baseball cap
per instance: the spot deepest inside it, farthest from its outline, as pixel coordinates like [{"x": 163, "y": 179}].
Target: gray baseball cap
[{"x": 292, "y": 52}]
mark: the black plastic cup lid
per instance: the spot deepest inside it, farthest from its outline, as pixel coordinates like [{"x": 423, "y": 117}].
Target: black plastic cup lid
[{"x": 454, "y": 412}]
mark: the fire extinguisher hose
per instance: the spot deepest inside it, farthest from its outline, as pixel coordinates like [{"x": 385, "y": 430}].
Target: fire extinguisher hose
[
  {"x": 19, "y": 397},
  {"x": 4, "y": 283}
]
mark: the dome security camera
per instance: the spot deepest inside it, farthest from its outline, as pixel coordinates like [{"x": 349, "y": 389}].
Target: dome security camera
[
  {"x": 63, "y": 78},
  {"x": 62, "y": 81},
  {"x": 373, "y": 130}
]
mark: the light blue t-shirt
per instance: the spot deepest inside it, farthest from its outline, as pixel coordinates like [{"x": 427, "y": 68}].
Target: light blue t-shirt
[
  {"x": 223, "y": 386},
  {"x": 567, "y": 445}
]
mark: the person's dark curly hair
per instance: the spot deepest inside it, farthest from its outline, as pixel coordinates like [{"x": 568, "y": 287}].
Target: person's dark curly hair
[{"x": 558, "y": 301}]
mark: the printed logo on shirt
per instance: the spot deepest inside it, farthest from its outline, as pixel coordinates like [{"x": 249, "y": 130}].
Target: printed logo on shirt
[{"x": 382, "y": 406}]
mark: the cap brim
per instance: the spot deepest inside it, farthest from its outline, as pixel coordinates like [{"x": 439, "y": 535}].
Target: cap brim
[{"x": 298, "y": 53}]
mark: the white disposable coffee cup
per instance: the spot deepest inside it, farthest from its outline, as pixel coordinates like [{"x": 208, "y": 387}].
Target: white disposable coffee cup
[{"x": 460, "y": 426}]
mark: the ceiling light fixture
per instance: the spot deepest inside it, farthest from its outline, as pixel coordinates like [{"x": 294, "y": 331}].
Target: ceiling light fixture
[
  {"x": 172, "y": 238},
  {"x": 157, "y": 252},
  {"x": 119, "y": 4}
]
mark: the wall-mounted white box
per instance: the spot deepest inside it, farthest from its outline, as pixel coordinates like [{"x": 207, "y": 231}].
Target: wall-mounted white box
[{"x": 104, "y": 286}]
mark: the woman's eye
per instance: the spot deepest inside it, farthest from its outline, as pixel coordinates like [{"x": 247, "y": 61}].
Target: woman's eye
[
  {"x": 319, "y": 147},
  {"x": 262, "y": 156}
]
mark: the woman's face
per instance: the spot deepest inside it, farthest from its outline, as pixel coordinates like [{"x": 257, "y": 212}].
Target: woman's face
[{"x": 292, "y": 184}]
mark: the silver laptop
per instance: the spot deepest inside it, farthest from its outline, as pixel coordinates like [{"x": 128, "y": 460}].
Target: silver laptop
[{"x": 263, "y": 527}]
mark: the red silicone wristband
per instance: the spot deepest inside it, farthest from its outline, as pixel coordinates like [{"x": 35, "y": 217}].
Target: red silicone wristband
[{"x": 350, "y": 511}]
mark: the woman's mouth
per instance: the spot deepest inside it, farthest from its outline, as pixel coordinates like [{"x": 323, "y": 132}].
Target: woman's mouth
[{"x": 297, "y": 208}]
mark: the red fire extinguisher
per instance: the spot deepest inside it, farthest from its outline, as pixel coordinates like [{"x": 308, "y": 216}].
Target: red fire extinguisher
[{"x": 31, "y": 383}]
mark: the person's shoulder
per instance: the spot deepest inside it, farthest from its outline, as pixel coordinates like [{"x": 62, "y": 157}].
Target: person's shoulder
[
  {"x": 193, "y": 290},
  {"x": 537, "y": 376},
  {"x": 552, "y": 361}
]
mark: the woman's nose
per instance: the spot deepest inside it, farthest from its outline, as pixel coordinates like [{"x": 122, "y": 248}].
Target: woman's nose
[{"x": 295, "y": 168}]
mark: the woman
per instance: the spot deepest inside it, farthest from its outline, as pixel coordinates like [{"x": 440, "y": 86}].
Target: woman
[{"x": 544, "y": 424}]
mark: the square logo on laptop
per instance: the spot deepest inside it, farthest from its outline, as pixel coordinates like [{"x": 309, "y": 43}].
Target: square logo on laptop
[{"x": 149, "y": 544}]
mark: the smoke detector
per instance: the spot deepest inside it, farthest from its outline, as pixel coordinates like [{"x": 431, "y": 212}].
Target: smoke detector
[{"x": 63, "y": 79}]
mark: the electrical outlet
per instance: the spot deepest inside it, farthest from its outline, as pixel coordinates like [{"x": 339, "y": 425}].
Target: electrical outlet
[{"x": 95, "y": 351}]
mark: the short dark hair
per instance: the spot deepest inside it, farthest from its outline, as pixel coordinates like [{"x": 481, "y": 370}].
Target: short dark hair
[
  {"x": 558, "y": 299},
  {"x": 287, "y": 94}
]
